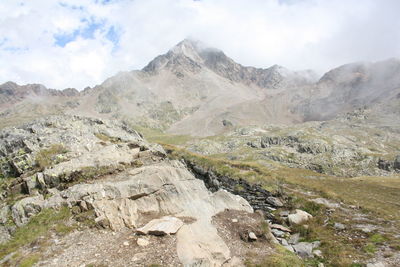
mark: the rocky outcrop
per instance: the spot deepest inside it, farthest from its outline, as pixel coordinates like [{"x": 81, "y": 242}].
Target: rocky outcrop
[
  {"x": 110, "y": 170},
  {"x": 388, "y": 165},
  {"x": 258, "y": 197}
]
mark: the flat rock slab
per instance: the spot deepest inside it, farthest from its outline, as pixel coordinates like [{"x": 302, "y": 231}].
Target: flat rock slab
[
  {"x": 164, "y": 226},
  {"x": 280, "y": 227}
]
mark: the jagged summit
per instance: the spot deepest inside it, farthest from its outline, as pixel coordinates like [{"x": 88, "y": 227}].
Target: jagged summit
[
  {"x": 191, "y": 48},
  {"x": 192, "y": 55}
]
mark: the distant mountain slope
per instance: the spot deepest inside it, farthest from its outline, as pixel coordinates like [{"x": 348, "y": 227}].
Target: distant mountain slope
[
  {"x": 197, "y": 90},
  {"x": 352, "y": 86}
]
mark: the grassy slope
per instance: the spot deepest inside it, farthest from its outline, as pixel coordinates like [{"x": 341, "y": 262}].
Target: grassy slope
[{"x": 378, "y": 197}]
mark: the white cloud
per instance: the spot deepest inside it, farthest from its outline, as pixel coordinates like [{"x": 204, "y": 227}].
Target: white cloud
[{"x": 97, "y": 40}]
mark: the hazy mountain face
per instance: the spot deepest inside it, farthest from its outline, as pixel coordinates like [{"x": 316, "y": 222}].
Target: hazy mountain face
[{"x": 193, "y": 89}]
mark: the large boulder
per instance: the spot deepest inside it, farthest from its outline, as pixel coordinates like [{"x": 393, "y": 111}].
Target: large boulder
[{"x": 299, "y": 217}]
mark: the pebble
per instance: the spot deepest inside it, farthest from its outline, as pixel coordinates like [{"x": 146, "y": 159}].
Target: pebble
[
  {"x": 252, "y": 236},
  {"x": 126, "y": 243}
]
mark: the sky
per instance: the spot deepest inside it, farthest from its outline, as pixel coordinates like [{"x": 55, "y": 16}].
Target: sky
[{"x": 80, "y": 43}]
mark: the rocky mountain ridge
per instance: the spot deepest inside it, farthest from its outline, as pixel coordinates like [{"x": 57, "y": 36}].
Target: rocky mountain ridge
[{"x": 189, "y": 90}]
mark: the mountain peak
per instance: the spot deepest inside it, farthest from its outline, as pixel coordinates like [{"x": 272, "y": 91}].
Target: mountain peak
[
  {"x": 188, "y": 47},
  {"x": 196, "y": 50}
]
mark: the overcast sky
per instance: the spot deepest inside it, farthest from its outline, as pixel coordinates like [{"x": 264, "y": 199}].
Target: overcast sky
[{"x": 79, "y": 43}]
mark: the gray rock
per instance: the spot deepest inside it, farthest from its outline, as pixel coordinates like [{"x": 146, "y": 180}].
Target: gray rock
[
  {"x": 366, "y": 228},
  {"x": 4, "y": 234},
  {"x": 396, "y": 163},
  {"x": 4, "y": 212},
  {"x": 278, "y": 233},
  {"x": 284, "y": 242},
  {"x": 290, "y": 248},
  {"x": 303, "y": 249},
  {"x": 339, "y": 226},
  {"x": 294, "y": 239},
  {"x": 23, "y": 209},
  {"x": 275, "y": 201}
]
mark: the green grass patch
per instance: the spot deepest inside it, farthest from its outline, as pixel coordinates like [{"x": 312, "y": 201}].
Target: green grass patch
[
  {"x": 251, "y": 172},
  {"x": 377, "y": 238},
  {"x": 39, "y": 225},
  {"x": 281, "y": 258},
  {"x": 29, "y": 261},
  {"x": 369, "y": 248},
  {"x": 47, "y": 157},
  {"x": 157, "y": 136}
]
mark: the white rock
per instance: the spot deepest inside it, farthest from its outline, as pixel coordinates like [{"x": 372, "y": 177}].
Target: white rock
[
  {"x": 252, "y": 236},
  {"x": 142, "y": 242},
  {"x": 165, "y": 226},
  {"x": 300, "y": 216},
  {"x": 376, "y": 264},
  {"x": 275, "y": 201},
  {"x": 326, "y": 203},
  {"x": 317, "y": 253},
  {"x": 126, "y": 243},
  {"x": 234, "y": 220},
  {"x": 280, "y": 227}
]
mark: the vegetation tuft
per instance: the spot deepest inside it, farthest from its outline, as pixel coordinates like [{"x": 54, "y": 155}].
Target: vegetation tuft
[{"x": 50, "y": 156}]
